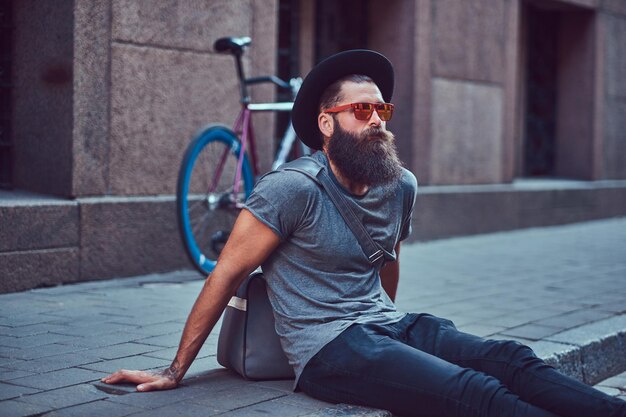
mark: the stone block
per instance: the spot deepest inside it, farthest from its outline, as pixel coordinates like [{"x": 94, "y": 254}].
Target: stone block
[
  {"x": 569, "y": 364},
  {"x": 18, "y": 408},
  {"x": 615, "y": 136},
  {"x": 124, "y": 237},
  {"x": 615, "y": 55},
  {"x": 130, "y": 362},
  {"x": 8, "y": 391},
  {"x": 247, "y": 395},
  {"x": 612, "y": 202},
  {"x": 42, "y": 96},
  {"x": 558, "y": 206},
  {"x": 59, "y": 379},
  {"x": 444, "y": 214},
  {"x": 467, "y": 133},
  {"x": 604, "y": 358},
  {"x": 468, "y": 39},
  {"x": 264, "y": 39},
  {"x": 31, "y": 269},
  {"x": 53, "y": 363},
  {"x": 580, "y": 3},
  {"x": 341, "y": 410},
  {"x": 575, "y": 96},
  {"x": 65, "y": 397},
  {"x": 159, "y": 99},
  {"x": 97, "y": 408},
  {"x": 614, "y": 6},
  {"x": 175, "y": 24},
  {"x": 92, "y": 43},
  {"x": 38, "y": 226},
  {"x": 394, "y": 23}
]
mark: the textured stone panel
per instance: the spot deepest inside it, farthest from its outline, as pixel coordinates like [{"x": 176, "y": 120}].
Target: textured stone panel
[
  {"x": 42, "y": 95},
  {"x": 615, "y": 55},
  {"x": 615, "y": 6},
  {"x": 446, "y": 211},
  {"x": 92, "y": 41},
  {"x": 397, "y": 23},
  {"x": 575, "y": 98},
  {"x": 552, "y": 207},
  {"x": 124, "y": 237},
  {"x": 21, "y": 271},
  {"x": 604, "y": 358},
  {"x": 263, "y": 60},
  {"x": 159, "y": 99},
  {"x": 612, "y": 202},
  {"x": 469, "y": 39},
  {"x": 38, "y": 226},
  {"x": 467, "y": 128},
  {"x": 581, "y": 3},
  {"x": 615, "y": 138},
  {"x": 194, "y": 24},
  {"x": 445, "y": 214}
]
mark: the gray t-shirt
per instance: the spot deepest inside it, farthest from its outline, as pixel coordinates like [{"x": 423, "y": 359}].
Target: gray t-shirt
[{"x": 319, "y": 280}]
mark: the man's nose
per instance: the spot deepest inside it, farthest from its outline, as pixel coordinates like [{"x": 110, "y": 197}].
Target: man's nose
[{"x": 375, "y": 119}]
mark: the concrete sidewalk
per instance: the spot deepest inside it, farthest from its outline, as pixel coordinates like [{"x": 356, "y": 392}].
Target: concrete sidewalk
[{"x": 562, "y": 290}]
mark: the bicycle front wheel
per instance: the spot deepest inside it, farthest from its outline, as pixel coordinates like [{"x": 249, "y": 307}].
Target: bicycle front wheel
[{"x": 210, "y": 193}]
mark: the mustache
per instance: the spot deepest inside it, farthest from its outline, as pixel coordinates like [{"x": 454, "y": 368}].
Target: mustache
[{"x": 377, "y": 132}]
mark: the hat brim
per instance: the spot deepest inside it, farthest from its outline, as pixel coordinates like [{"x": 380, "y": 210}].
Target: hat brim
[{"x": 356, "y": 61}]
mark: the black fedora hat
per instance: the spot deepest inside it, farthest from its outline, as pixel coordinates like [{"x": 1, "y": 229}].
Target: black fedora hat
[{"x": 356, "y": 61}]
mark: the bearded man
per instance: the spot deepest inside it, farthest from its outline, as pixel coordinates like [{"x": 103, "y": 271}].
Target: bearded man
[{"x": 334, "y": 309}]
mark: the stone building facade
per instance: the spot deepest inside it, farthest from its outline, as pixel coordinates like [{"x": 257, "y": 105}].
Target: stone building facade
[{"x": 512, "y": 113}]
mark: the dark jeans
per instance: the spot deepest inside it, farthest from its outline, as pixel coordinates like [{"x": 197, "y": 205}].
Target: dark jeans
[{"x": 423, "y": 366}]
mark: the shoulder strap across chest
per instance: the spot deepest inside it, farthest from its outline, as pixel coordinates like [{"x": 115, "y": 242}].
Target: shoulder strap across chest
[{"x": 317, "y": 172}]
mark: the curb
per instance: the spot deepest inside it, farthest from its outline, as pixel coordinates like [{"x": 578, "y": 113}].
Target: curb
[{"x": 589, "y": 353}]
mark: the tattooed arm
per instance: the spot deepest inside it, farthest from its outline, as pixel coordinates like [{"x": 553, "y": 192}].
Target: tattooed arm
[{"x": 241, "y": 255}]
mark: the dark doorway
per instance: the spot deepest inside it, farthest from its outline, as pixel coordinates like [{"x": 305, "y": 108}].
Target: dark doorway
[
  {"x": 559, "y": 90},
  {"x": 541, "y": 92},
  {"x": 340, "y": 25}
]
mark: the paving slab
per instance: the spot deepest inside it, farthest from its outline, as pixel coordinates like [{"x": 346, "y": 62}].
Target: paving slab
[
  {"x": 559, "y": 290},
  {"x": 65, "y": 397},
  {"x": 615, "y": 385}
]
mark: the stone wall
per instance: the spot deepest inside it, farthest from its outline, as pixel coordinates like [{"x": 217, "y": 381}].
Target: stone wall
[
  {"x": 614, "y": 94},
  {"x": 453, "y": 85},
  {"x": 42, "y": 95},
  {"x": 165, "y": 83},
  {"x": 108, "y": 94},
  {"x": 461, "y": 87}
]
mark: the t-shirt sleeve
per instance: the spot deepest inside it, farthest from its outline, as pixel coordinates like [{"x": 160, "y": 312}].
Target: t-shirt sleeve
[
  {"x": 280, "y": 200},
  {"x": 409, "y": 184}
]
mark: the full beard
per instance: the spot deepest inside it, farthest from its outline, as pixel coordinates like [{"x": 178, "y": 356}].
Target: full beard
[{"x": 369, "y": 158}]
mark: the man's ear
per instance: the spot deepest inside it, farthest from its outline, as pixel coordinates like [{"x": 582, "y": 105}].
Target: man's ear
[{"x": 326, "y": 124}]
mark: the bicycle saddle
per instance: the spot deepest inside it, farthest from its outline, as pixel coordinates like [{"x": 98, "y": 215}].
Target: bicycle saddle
[{"x": 232, "y": 45}]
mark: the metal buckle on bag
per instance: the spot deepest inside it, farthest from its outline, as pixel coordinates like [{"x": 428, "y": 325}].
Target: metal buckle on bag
[
  {"x": 238, "y": 303},
  {"x": 376, "y": 256}
]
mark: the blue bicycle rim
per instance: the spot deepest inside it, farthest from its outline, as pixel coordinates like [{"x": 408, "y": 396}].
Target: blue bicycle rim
[{"x": 224, "y": 135}]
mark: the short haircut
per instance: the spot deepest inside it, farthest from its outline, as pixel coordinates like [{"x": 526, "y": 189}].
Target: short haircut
[{"x": 332, "y": 95}]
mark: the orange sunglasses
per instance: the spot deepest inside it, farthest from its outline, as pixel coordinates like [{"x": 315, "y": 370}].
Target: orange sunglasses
[{"x": 363, "y": 111}]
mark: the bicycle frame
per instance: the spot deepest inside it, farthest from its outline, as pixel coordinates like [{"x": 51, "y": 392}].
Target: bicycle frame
[
  {"x": 244, "y": 130},
  {"x": 243, "y": 124}
]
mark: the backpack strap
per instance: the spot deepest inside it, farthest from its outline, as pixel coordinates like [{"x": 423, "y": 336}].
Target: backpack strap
[{"x": 313, "y": 169}]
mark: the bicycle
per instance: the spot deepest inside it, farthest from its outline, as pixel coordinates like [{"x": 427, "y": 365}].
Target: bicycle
[{"x": 220, "y": 166}]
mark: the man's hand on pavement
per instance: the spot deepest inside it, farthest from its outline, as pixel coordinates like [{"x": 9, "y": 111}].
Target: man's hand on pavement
[{"x": 146, "y": 380}]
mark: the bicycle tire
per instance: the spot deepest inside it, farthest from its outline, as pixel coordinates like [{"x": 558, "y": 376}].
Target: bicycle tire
[{"x": 207, "y": 216}]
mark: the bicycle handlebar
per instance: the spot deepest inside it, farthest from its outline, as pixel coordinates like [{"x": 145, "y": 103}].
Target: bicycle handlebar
[
  {"x": 236, "y": 47},
  {"x": 269, "y": 79}
]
